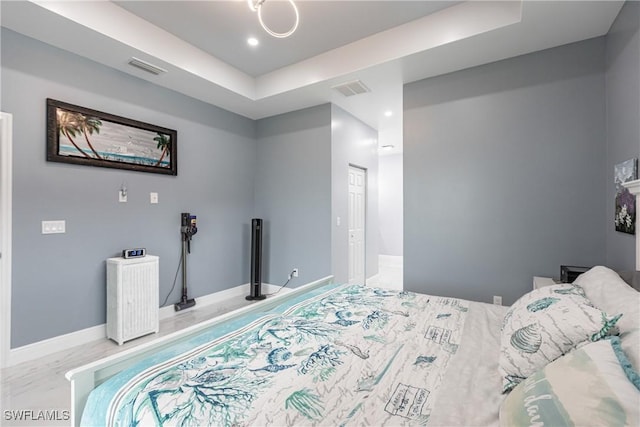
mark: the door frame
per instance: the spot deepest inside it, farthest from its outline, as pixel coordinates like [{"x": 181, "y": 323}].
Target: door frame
[
  {"x": 6, "y": 183},
  {"x": 365, "y": 202}
]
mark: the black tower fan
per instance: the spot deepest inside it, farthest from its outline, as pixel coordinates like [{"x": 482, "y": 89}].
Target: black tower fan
[{"x": 256, "y": 261}]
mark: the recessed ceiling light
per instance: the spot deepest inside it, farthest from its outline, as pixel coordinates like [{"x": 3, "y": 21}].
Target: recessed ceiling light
[
  {"x": 388, "y": 113},
  {"x": 252, "y": 41}
]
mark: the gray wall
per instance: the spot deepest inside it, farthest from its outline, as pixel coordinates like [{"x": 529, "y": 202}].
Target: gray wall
[
  {"x": 58, "y": 280},
  {"x": 230, "y": 170},
  {"x": 623, "y": 125},
  {"x": 504, "y": 175},
  {"x": 390, "y": 209},
  {"x": 293, "y": 194},
  {"x": 352, "y": 143}
]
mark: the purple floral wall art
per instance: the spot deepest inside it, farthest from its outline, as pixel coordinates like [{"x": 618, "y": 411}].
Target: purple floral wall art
[{"x": 625, "y": 219}]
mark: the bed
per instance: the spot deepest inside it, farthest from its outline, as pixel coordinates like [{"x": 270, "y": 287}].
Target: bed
[
  {"x": 355, "y": 355},
  {"x": 326, "y": 356}
]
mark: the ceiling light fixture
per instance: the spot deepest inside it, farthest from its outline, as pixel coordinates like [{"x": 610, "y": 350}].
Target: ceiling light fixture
[
  {"x": 256, "y": 6},
  {"x": 388, "y": 113},
  {"x": 252, "y": 41}
]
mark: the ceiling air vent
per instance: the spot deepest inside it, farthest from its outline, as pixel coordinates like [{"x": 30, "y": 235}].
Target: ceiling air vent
[
  {"x": 355, "y": 87},
  {"x": 145, "y": 66}
]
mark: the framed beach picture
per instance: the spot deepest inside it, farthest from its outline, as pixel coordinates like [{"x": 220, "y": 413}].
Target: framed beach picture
[
  {"x": 625, "y": 214},
  {"x": 88, "y": 137}
]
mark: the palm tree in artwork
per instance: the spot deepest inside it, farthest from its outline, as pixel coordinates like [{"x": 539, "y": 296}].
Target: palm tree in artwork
[
  {"x": 69, "y": 125},
  {"x": 89, "y": 125},
  {"x": 164, "y": 144}
]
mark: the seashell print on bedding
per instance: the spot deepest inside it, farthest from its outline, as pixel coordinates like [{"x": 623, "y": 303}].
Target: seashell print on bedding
[
  {"x": 543, "y": 325},
  {"x": 288, "y": 367},
  {"x": 541, "y": 304},
  {"x": 424, "y": 360},
  {"x": 278, "y": 355},
  {"x": 527, "y": 339}
]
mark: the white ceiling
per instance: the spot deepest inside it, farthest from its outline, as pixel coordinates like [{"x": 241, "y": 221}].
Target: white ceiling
[
  {"x": 202, "y": 45},
  {"x": 221, "y": 28}
]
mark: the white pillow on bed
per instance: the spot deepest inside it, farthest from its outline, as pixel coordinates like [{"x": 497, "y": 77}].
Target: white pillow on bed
[
  {"x": 545, "y": 324},
  {"x": 607, "y": 291},
  {"x": 591, "y": 386}
]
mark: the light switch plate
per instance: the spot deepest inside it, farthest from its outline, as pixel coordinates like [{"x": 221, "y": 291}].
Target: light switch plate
[
  {"x": 54, "y": 227},
  {"x": 153, "y": 198}
]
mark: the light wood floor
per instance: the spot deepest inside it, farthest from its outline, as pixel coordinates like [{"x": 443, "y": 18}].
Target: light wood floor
[{"x": 40, "y": 384}]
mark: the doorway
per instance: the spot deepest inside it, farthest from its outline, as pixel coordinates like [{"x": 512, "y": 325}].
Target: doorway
[
  {"x": 6, "y": 141},
  {"x": 357, "y": 223}
]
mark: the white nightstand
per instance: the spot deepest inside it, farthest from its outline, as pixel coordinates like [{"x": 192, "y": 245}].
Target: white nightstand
[
  {"x": 132, "y": 297},
  {"x": 539, "y": 282}
]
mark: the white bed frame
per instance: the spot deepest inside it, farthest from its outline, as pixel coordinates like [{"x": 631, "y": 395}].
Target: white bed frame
[{"x": 85, "y": 378}]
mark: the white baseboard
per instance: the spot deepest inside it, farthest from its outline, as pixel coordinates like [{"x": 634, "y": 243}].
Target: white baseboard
[
  {"x": 94, "y": 333},
  {"x": 373, "y": 280},
  {"x": 235, "y": 292},
  {"x": 390, "y": 260},
  {"x": 55, "y": 344}
]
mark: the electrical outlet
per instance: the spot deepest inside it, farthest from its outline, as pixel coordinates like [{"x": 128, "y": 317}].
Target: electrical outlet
[
  {"x": 497, "y": 300},
  {"x": 295, "y": 272}
]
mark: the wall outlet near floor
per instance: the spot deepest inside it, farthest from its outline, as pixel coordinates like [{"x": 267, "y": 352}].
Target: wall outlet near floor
[
  {"x": 497, "y": 300},
  {"x": 294, "y": 273}
]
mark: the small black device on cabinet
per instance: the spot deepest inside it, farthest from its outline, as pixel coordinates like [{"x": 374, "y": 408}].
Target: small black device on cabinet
[
  {"x": 569, "y": 273},
  {"x": 134, "y": 253}
]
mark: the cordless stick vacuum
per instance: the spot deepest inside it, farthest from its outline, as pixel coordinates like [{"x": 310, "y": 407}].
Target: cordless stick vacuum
[{"x": 187, "y": 230}]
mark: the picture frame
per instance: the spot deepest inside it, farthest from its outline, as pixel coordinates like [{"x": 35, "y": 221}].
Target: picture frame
[
  {"x": 84, "y": 136},
  {"x": 625, "y": 202}
]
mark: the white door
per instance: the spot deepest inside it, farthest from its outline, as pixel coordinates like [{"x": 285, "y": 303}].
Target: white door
[
  {"x": 357, "y": 204},
  {"x": 5, "y": 235}
]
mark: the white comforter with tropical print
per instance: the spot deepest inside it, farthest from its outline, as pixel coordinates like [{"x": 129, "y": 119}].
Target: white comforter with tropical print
[{"x": 344, "y": 355}]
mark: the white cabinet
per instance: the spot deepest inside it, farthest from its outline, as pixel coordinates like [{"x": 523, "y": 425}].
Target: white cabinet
[
  {"x": 132, "y": 297},
  {"x": 539, "y": 282}
]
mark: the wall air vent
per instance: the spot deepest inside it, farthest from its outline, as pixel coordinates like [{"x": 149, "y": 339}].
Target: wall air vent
[
  {"x": 355, "y": 87},
  {"x": 145, "y": 66}
]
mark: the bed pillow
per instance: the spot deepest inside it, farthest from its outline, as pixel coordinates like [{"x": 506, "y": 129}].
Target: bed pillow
[
  {"x": 545, "y": 324},
  {"x": 631, "y": 278},
  {"x": 607, "y": 291},
  {"x": 593, "y": 385}
]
